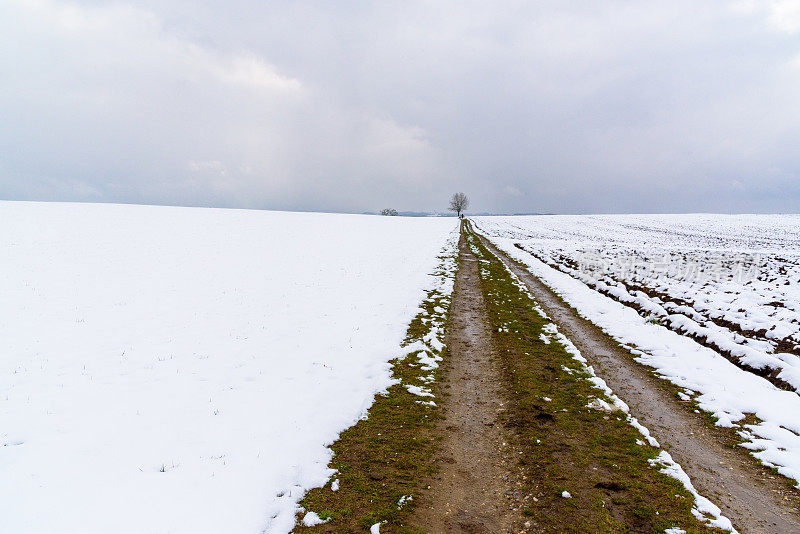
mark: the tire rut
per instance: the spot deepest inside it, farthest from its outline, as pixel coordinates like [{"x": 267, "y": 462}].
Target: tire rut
[
  {"x": 749, "y": 495},
  {"x": 470, "y": 493}
]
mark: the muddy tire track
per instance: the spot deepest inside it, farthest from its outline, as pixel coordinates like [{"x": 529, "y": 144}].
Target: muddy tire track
[{"x": 474, "y": 491}]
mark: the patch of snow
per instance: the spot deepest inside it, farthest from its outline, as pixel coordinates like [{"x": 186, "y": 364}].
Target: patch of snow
[
  {"x": 311, "y": 519},
  {"x": 702, "y": 506},
  {"x": 418, "y": 391},
  {"x": 600, "y": 404},
  {"x": 432, "y": 339}
]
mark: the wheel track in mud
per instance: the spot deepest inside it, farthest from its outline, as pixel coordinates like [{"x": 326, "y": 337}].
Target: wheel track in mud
[{"x": 474, "y": 490}]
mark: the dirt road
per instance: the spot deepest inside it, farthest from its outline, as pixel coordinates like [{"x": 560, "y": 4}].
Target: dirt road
[
  {"x": 754, "y": 498},
  {"x": 474, "y": 489}
]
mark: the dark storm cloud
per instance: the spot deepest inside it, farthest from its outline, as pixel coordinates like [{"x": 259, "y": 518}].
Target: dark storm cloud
[{"x": 546, "y": 106}]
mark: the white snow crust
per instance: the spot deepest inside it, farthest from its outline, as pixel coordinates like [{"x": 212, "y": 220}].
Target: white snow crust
[
  {"x": 733, "y": 281},
  {"x": 181, "y": 370}
]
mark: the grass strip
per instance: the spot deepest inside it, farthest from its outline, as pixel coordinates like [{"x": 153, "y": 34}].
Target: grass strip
[
  {"x": 592, "y": 453},
  {"x": 735, "y": 437}
]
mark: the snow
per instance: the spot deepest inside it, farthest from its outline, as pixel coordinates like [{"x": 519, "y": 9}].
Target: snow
[
  {"x": 375, "y": 529},
  {"x": 403, "y": 500},
  {"x": 418, "y": 391},
  {"x": 184, "y": 369},
  {"x": 566, "y": 494},
  {"x": 717, "y": 385},
  {"x": 311, "y": 519},
  {"x": 702, "y": 506},
  {"x": 732, "y": 281}
]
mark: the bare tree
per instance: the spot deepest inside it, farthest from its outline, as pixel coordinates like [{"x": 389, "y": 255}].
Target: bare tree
[
  {"x": 459, "y": 203},
  {"x": 389, "y": 211}
]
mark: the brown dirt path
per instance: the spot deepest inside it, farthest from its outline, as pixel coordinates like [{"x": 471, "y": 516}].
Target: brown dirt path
[
  {"x": 755, "y": 499},
  {"x": 474, "y": 490}
]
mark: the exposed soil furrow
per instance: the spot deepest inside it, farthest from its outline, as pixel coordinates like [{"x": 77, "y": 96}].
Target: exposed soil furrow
[
  {"x": 669, "y": 300},
  {"x": 753, "y": 497},
  {"x": 766, "y": 372}
]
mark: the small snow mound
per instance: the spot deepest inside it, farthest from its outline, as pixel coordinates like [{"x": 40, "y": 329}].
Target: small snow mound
[
  {"x": 375, "y": 529},
  {"x": 600, "y": 404},
  {"x": 403, "y": 500},
  {"x": 418, "y": 391},
  {"x": 335, "y": 485},
  {"x": 311, "y": 519},
  {"x": 566, "y": 494}
]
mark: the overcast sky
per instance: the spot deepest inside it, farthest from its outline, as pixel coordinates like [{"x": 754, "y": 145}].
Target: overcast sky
[{"x": 545, "y": 106}]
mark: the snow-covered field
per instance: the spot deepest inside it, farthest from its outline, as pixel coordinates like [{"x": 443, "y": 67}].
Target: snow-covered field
[
  {"x": 183, "y": 369},
  {"x": 710, "y": 301},
  {"x": 732, "y": 282}
]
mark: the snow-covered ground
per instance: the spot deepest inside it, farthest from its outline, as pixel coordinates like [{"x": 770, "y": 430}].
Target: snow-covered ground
[
  {"x": 696, "y": 274},
  {"x": 183, "y": 369},
  {"x": 731, "y": 281}
]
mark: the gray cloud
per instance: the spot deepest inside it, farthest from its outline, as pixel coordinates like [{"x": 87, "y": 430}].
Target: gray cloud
[{"x": 350, "y": 106}]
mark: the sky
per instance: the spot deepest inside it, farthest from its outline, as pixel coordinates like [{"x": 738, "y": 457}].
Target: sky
[{"x": 546, "y": 106}]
